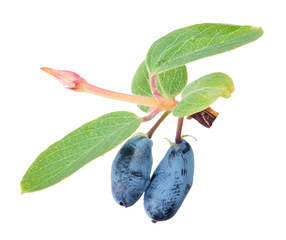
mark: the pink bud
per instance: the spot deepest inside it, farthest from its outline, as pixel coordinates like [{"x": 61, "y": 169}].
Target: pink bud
[{"x": 69, "y": 79}]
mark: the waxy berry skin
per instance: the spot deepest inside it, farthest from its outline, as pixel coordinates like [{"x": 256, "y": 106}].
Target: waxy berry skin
[
  {"x": 170, "y": 183},
  {"x": 131, "y": 169}
]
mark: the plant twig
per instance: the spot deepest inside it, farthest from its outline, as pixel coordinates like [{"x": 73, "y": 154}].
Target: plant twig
[{"x": 73, "y": 81}]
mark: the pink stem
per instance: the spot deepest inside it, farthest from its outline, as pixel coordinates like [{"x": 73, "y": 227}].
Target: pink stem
[
  {"x": 147, "y": 101},
  {"x": 151, "y": 115},
  {"x": 73, "y": 81},
  {"x": 154, "y": 90}
]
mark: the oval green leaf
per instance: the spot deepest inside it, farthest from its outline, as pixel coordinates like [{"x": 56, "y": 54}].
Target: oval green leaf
[
  {"x": 79, "y": 147},
  {"x": 200, "y": 94},
  {"x": 197, "y": 41},
  {"x": 169, "y": 83}
]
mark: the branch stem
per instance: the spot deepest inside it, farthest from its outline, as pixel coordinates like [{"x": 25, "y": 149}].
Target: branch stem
[
  {"x": 73, "y": 81},
  {"x": 147, "y": 101}
]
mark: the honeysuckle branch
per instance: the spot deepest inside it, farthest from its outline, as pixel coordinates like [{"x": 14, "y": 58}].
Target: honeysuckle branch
[
  {"x": 74, "y": 82},
  {"x": 147, "y": 101}
]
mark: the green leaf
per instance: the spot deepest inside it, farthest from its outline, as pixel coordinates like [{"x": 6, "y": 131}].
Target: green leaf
[
  {"x": 197, "y": 41},
  {"x": 140, "y": 84},
  {"x": 198, "y": 95},
  {"x": 169, "y": 83},
  {"x": 79, "y": 147},
  {"x": 172, "y": 82}
]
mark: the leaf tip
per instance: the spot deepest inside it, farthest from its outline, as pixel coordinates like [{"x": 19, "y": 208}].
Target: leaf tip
[
  {"x": 22, "y": 191},
  {"x": 258, "y": 30},
  {"x": 229, "y": 91},
  {"x": 22, "y": 188}
]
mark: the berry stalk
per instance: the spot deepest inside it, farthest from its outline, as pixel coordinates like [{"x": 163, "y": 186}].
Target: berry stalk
[
  {"x": 178, "y": 138},
  {"x": 157, "y": 124}
]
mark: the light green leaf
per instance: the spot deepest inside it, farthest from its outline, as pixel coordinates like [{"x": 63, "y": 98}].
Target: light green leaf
[
  {"x": 198, "y": 95},
  {"x": 197, "y": 41},
  {"x": 79, "y": 147},
  {"x": 140, "y": 84},
  {"x": 169, "y": 83},
  {"x": 172, "y": 82}
]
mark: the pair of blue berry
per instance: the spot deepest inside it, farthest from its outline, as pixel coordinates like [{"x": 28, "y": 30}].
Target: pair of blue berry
[{"x": 169, "y": 184}]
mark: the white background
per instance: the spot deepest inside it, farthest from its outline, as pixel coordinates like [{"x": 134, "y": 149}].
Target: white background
[{"x": 240, "y": 174}]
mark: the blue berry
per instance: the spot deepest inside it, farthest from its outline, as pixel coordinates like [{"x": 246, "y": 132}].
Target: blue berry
[
  {"x": 131, "y": 168},
  {"x": 170, "y": 183}
]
